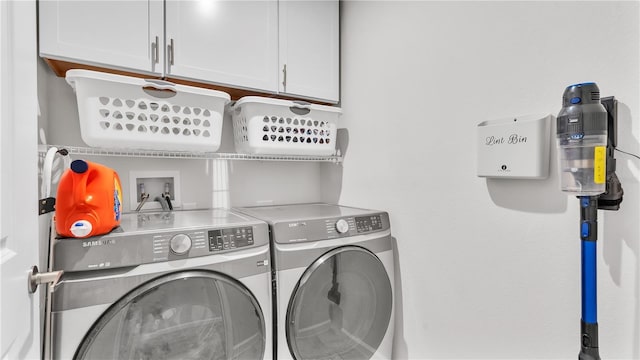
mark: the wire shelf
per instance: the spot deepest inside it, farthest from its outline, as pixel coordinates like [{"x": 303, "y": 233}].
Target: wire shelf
[{"x": 76, "y": 150}]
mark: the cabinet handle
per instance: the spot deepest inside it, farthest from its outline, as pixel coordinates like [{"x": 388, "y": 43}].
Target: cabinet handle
[
  {"x": 155, "y": 52},
  {"x": 171, "y": 51},
  {"x": 284, "y": 77}
]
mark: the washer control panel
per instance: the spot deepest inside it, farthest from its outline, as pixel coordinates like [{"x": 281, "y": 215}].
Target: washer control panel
[
  {"x": 145, "y": 238},
  {"x": 232, "y": 238},
  {"x": 118, "y": 251}
]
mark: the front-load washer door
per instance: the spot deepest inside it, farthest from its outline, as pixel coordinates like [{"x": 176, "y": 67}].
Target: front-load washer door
[
  {"x": 341, "y": 306},
  {"x": 185, "y": 315}
]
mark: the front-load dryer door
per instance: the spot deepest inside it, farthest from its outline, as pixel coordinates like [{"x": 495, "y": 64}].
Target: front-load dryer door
[
  {"x": 341, "y": 307},
  {"x": 185, "y": 315}
]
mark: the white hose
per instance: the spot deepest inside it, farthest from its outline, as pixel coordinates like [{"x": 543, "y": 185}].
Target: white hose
[{"x": 47, "y": 169}]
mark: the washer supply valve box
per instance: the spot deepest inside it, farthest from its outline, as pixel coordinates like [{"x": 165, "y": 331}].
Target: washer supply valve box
[{"x": 515, "y": 147}]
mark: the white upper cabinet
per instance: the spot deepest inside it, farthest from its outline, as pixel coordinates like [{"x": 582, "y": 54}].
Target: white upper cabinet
[
  {"x": 309, "y": 49},
  {"x": 127, "y": 35},
  {"x": 232, "y": 43},
  {"x": 288, "y": 47}
]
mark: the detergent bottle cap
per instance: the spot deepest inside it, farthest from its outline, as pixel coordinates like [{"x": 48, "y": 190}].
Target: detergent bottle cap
[
  {"x": 81, "y": 228},
  {"x": 79, "y": 166}
]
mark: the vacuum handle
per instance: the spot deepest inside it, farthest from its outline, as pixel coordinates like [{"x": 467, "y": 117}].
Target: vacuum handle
[{"x": 589, "y": 342}]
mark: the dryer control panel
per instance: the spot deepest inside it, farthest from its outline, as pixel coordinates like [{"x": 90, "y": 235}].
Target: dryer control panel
[
  {"x": 329, "y": 228},
  {"x": 368, "y": 223}
]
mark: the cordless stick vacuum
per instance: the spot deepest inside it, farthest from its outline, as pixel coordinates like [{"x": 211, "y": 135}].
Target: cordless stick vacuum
[{"x": 586, "y": 137}]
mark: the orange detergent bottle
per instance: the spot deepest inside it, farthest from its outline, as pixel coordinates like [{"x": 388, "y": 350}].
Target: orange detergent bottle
[{"x": 88, "y": 201}]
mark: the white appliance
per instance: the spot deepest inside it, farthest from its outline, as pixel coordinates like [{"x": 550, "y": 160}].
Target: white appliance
[
  {"x": 175, "y": 285},
  {"x": 333, "y": 271}
]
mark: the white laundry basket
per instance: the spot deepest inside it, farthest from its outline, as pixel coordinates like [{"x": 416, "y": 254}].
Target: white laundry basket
[
  {"x": 284, "y": 127},
  {"x": 126, "y": 112}
]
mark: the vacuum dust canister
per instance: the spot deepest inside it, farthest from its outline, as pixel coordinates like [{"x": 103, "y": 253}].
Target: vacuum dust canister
[{"x": 582, "y": 141}]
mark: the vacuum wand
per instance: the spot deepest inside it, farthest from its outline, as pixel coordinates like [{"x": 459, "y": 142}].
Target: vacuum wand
[{"x": 589, "y": 236}]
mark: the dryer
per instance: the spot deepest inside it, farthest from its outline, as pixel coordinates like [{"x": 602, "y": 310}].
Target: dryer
[
  {"x": 175, "y": 285},
  {"x": 333, "y": 271}
]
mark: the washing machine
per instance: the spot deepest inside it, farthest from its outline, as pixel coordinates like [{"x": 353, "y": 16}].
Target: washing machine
[
  {"x": 333, "y": 272},
  {"x": 173, "y": 285}
]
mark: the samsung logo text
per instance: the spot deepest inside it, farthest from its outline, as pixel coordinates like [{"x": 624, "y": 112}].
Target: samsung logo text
[{"x": 98, "y": 243}]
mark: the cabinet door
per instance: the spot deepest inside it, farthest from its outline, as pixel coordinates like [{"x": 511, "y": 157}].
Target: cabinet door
[
  {"x": 309, "y": 49},
  {"x": 228, "y": 42},
  {"x": 113, "y": 34},
  {"x": 20, "y": 312}
]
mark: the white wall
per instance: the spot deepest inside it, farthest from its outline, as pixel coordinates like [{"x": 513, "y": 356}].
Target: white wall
[{"x": 489, "y": 269}]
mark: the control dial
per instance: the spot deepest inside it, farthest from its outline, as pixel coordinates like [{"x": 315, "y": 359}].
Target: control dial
[
  {"x": 342, "y": 226},
  {"x": 180, "y": 244}
]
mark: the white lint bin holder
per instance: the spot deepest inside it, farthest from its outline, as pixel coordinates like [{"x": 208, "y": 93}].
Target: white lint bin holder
[
  {"x": 515, "y": 147},
  {"x": 125, "y": 112},
  {"x": 283, "y": 127}
]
